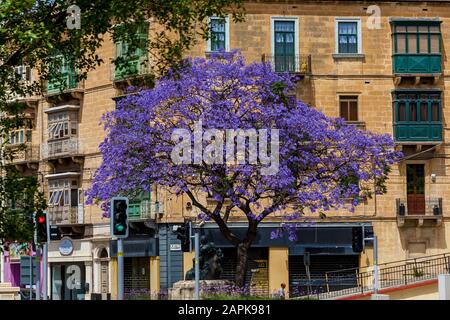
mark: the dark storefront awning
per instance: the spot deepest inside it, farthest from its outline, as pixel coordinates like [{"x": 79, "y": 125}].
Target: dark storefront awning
[
  {"x": 136, "y": 247},
  {"x": 319, "y": 239}
]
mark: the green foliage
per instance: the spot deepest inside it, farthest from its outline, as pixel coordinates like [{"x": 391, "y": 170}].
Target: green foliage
[{"x": 35, "y": 33}]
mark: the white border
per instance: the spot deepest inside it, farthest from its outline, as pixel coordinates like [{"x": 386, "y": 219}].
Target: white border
[
  {"x": 227, "y": 34},
  {"x": 336, "y": 33},
  {"x": 296, "y": 32}
]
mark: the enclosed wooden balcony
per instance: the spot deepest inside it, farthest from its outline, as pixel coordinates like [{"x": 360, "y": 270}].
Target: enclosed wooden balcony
[
  {"x": 145, "y": 210},
  {"x": 417, "y": 210}
]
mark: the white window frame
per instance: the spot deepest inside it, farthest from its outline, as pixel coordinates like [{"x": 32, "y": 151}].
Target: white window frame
[
  {"x": 336, "y": 34},
  {"x": 227, "y": 34},
  {"x": 296, "y": 32}
]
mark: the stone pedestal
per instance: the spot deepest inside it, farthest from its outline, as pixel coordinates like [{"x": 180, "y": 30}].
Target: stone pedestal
[
  {"x": 185, "y": 289},
  {"x": 9, "y": 293}
]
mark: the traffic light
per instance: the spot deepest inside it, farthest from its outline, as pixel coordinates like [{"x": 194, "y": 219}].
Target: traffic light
[
  {"x": 119, "y": 217},
  {"x": 357, "y": 239},
  {"x": 41, "y": 226},
  {"x": 183, "y": 235}
]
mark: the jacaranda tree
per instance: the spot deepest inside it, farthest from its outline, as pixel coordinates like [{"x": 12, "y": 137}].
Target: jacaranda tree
[{"x": 177, "y": 136}]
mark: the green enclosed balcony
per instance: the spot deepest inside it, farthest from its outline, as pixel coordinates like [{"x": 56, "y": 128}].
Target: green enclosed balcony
[
  {"x": 417, "y": 117},
  {"x": 142, "y": 208},
  {"x": 67, "y": 78},
  {"x": 417, "y": 48}
]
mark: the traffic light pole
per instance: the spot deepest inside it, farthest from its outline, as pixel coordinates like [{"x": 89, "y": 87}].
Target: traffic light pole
[
  {"x": 197, "y": 266},
  {"x": 375, "y": 260},
  {"x": 45, "y": 266},
  {"x": 120, "y": 269}
]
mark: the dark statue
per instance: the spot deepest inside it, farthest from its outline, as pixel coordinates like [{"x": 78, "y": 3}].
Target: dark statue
[{"x": 209, "y": 262}]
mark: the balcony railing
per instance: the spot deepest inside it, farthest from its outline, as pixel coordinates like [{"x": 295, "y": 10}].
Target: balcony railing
[
  {"x": 295, "y": 64},
  {"x": 59, "y": 148},
  {"x": 133, "y": 69},
  {"x": 417, "y": 206},
  {"x": 417, "y": 63},
  {"x": 418, "y": 131},
  {"x": 69, "y": 81},
  {"x": 66, "y": 215},
  {"x": 145, "y": 210},
  {"x": 29, "y": 154}
]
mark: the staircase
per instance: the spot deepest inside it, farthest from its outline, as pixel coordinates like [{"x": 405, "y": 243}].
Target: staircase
[{"x": 391, "y": 275}]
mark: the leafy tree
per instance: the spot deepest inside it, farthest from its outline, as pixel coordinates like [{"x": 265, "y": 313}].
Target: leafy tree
[
  {"x": 33, "y": 32},
  {"x": 316, "y": 154}
]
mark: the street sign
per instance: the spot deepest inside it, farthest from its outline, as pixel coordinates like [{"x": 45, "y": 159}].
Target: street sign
[
  {"x": 28, "y": 270},
  {"x": 175, "y": 247}
]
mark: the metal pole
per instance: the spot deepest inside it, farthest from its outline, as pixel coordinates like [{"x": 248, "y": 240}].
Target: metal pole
[
  {"x": 120, "y": 269},
  {"x": 197, "y": 267},
  {"x": 31, "y": 277},
  {"x": 45, "y": 266},
  {"x": 38, "y": 273},
  {"x": 375, "y": 258}
]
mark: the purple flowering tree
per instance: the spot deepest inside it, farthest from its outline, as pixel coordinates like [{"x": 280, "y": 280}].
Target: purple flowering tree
[{"x": 316, "y": 162}]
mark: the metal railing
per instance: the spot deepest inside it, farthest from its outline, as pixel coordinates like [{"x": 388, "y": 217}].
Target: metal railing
[
  {"x": 66, "y": 214},
  {"x": 25, "y": 153},
  {"x": 59, "y": 148},
  {"x": 296, "y": 63},
  {"x": 432, "y": 207},
  {"x": 354, "y": 281}
]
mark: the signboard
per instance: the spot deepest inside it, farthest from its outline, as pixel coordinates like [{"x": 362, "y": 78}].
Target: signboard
[
  {"x": 175, "y": 247},
  {"x": 28, "y": 270},
  {"x": 66, "y": 247}
]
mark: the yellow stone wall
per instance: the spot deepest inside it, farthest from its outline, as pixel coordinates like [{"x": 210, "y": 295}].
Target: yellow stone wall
[{"x": 370, "y": 78}]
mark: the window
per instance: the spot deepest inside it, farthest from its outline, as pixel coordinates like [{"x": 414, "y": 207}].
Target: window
[
  {"x": 285, "y": 46},
  {"x": 62, "y": 125},
  {"x": 416, "y": 38},
  {"x": 23, "y": 72},
  {"x": 417, "y": 107},
  {"x": 219, "y": 39},
  {"x": 132, "y": 63},
  {"x": 66, "y": 77},
  {"x": 19, "y": 136},
  {"x": 62, "y": 193},
  {"x": 348, "y": 36},
  {"x": 348, "y": 108}
]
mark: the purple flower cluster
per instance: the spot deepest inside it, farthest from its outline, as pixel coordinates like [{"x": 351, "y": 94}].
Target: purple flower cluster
[{"x": 317, "y": 154}]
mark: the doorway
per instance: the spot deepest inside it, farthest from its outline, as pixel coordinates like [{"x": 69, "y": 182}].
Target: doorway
[
  {"x": 415, "y": 182},
  {"x": 68, "y": 281}
]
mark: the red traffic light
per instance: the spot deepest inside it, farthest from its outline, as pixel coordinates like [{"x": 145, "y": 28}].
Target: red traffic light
[{"x": 41, "y": 219}]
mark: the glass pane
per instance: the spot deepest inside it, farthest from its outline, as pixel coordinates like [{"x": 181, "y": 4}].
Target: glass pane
[
  {"x": 74, "y": 197},
  {"x": 401, "y": 28},
  {"x": 344, "y": 110},
  {"x": 435, "y": 111},
  {"x": 401, "y": 43},
  {"x": 434, "y": 40},
  {"x": 420, "y": 179},
  {"x": 434, "y": 29},
  {"x": 353, "y": 111},
  {"x": 423, "y": 111},
  {"x": 412, "y": 43},
  {"x": 286, "y": 26},
  {"x": 412, "y": 112},
  {"x": 423, "y": 43},
  {"x": 410, "y": 179},
  {"x": 412, "y": 29},
  {"x": 348, "y": 28},
  {"x": 401, "y": 111},
  {"x": 423, "y": 29}
]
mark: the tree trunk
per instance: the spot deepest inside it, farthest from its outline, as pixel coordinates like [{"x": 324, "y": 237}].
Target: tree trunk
[
  {"x": 241, "y": 263},
  {"x": 242, "y": 253}
]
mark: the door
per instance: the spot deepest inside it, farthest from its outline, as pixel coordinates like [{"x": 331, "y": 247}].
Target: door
[
  {"x": 284, "y": 46},
  {"x": 415, "y": 180}
]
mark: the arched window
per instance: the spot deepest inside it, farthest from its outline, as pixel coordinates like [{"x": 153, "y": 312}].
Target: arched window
[{"x": 103, "y": 253}]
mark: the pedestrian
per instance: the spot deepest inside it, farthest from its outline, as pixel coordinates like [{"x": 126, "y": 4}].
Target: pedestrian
[{"x": 281, "y": 292}]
